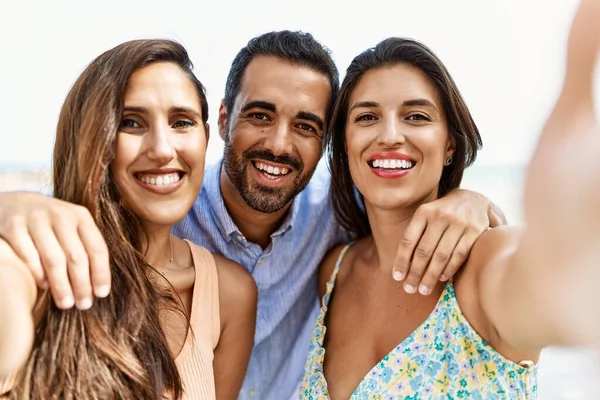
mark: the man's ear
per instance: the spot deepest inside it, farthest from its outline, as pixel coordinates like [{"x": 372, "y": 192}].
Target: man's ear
[{"x": 222, "y": 120}]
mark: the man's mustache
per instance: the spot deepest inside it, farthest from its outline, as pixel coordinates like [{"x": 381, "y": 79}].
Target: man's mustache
[{"x": 266, "y": 155}]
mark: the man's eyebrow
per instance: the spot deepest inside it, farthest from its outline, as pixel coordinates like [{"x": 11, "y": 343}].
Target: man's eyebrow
[
  {"x": 311, "y": 117},
  {"x": 265, "y": 105}
]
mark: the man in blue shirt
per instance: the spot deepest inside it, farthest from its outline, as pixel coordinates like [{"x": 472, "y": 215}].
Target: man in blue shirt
[{"x": 265, "y": 205}]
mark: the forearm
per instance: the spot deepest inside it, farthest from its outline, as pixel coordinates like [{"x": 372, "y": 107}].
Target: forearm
[
  {"x": 552, "y": 283},
  {"x": 17, "y": 298}
]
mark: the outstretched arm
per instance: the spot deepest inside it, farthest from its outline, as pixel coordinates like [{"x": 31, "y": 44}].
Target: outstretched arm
[{"x": 546, "y": 292}]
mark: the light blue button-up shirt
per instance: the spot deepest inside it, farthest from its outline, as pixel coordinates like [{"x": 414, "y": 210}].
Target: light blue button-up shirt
[{"x": 285, "y": 274}]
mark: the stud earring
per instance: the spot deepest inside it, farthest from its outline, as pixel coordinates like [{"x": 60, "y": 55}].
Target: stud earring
[{"x": 448, "y": 161}]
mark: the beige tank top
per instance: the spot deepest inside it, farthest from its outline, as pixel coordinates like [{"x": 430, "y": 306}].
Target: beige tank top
[{"x": 195, "y": 361}]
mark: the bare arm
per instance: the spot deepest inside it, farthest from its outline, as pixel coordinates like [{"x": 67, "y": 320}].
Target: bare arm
[
  {"x": 561, "y": 246},
  {"x": 544, "y": 290},
  {"x": 17, "y": 297},
  {"x": 504, "y": 313},
  {"x": 238, "y": 302}
]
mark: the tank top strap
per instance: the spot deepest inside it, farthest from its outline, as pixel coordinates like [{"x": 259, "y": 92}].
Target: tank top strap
[
  {"x": 336, "y": 269},
  {"x": 205, "y": 305}
]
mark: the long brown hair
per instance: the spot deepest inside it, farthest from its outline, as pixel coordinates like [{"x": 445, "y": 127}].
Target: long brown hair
[
  {"x": 347, "y": 202},
  {"x": 117, "y": 349}
]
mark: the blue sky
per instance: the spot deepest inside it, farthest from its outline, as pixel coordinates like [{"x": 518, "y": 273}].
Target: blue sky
[{"x": 506, "y": 56}]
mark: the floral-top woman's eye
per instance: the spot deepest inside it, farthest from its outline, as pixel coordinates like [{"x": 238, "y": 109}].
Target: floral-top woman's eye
[
  {"x": 418, "y": 117},
  {"x": 365, "y": 118}
]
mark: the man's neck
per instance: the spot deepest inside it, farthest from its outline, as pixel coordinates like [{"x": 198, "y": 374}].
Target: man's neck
[{"x": 256, "y": 227}]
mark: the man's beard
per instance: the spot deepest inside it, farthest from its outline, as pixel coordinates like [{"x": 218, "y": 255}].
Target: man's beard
[{"x": 262, "y": 198}]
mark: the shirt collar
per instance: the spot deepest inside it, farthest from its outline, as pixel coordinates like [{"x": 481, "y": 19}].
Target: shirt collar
[{"x": 212, "y": 186}]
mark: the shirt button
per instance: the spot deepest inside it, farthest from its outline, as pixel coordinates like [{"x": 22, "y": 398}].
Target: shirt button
[{"x": 252, "y": 393}]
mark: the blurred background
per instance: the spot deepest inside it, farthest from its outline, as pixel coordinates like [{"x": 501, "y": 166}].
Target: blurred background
[{"x": 507, "y": 58}]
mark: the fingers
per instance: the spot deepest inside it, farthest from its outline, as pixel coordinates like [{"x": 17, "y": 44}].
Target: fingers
[
  {"x": 437, "y": 269},
  {"x": 76, "y": 266},
  {"x": 460, "y": 253},
  {"x": 97, "y": 253},
  {"x": 423, "y": 255},
  {"x": 408, "y": 243},
  {"x": 61, "y": 245},
  {"x": 79, "y": 268},
  {"x": 54, "y": 262},
  {"x": 15, "y": 234}
]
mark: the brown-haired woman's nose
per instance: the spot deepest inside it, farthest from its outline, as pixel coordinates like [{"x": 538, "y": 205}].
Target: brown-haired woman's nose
[{"x": 159, "y": 145}]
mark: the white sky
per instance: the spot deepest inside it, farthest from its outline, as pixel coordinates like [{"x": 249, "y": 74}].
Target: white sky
[{"x": 506, "y": 56}]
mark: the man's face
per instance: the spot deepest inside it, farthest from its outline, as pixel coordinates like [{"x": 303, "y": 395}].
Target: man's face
[{"x": 273, "y": 138}]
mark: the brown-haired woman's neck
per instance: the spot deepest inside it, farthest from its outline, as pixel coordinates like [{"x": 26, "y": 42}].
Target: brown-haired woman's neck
[{"x": 158, "y": 248}]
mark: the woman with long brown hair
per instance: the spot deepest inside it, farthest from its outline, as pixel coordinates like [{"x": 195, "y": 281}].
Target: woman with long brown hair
[
  {"x": 401, "y": 136},
  {"x": 179, "y": 321}
]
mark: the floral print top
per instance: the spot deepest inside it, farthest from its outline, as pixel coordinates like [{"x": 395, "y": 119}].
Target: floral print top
[{"x": 444, "y": 358}]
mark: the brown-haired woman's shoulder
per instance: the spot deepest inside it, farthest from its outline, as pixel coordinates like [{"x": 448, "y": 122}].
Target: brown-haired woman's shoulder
[
  {"x": 238, "y": 298},
  {"x": 235, "y": 282}
]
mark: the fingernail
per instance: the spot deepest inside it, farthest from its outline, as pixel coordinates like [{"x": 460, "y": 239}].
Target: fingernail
[
  {"x": 409, "y": 288},
  {"x": 102, "y": 291},
  {"x": 398, "y": 275},
  {"x": 423, "y": 289},
  {"x": 85, "y": 303},
  {"x": 66, "y": 302},
  {"x": 443, "y": 278}
]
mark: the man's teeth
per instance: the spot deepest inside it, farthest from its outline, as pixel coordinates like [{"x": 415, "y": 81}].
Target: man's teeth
[
  {"x": 393, "y": 164},
  {"x": 270, "y": 169},
  {"x": 159, "y": 180}
]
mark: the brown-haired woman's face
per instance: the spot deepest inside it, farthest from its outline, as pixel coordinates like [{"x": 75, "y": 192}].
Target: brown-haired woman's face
[
  {"x": 161, "y": 145},
  {"x": 396, "y": 136}
]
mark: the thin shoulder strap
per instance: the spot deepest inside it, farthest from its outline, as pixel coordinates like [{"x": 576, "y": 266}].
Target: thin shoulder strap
[
  {"x": 336, "y": 269},
  {"x": 206, "y": 292}
]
